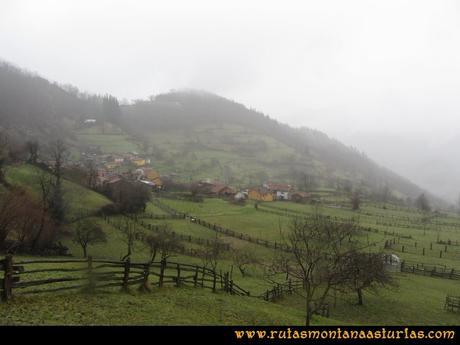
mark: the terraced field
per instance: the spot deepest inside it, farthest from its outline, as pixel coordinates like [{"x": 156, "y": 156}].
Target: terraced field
[{"x": 429, "y": 239}]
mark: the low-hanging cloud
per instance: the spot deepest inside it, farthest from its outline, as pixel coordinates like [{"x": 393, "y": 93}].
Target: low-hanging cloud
[{"x": 345, "y": 67}]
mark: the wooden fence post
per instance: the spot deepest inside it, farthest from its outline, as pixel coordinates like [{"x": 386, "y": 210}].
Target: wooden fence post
[
  {"x": 202, "y": 276},
  {"x": 91, "y": 280},
  {"x": 178, "y": 276},
  {"x": 145, "y": 287},
  {"x": 125, "y": 286},
  {"x": 162, "y": 272},
  {"x": 214, "y": 278},
  {"x": 221, "y": 280},
  {"x": 8, "y": 277},
  {"x": 195, "y": 277},
  {"x": 226, "y": 282}
]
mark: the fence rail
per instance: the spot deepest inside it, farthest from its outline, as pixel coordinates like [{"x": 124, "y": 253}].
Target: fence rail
[
  {"x": 225, "y": 231},
  {"x": 281, "y": 289},
  {"x": 158, "y": 228},
  {"x": 288, "y": 213},
  {"x": 439, "y": 271},
  {"x": 30, "y": 276},
  {"x": 452, "y": 303},
  {"x": 160, "y": 216},
  {"x": 378, "y": 219}
]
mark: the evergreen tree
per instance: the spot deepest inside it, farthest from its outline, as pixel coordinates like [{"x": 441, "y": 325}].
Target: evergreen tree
[
  {"x": 111, "y": 109},
  {"x": 422, "y": 203}
]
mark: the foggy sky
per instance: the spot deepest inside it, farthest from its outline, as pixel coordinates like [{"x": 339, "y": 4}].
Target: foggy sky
[{"x": 362, "y": 71}]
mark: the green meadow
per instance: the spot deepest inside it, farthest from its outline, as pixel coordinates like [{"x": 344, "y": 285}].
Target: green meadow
[{"x": 415, "y": 300}]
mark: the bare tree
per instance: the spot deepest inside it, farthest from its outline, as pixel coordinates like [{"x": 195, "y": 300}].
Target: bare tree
[
  {"x": 9, "y": 206},
  {"x": 88, "y": 233},
  {"x": 169, "y": 245},
  {"x": 130, "y": 234},
  {"x": 22, "y": 219},
  {"x": 153, "y": 243},
  {"x": 211, "y": 253},
  {"x": 163, "y": 242},
  {"x": 45, "y": 183},
  {"x": 33, "y": 147},
  {"x": 56, "y": 201},
  {"x": 366, "y": 271},
  {"x": 91, "y": 174},
  {"x": 28, "y": 221},
  {"x": 318, "y": 247},
  {"x": 242, "y": 258}
]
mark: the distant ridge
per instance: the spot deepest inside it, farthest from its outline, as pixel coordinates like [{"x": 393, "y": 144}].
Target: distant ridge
[{"x": 33, "y": 107}]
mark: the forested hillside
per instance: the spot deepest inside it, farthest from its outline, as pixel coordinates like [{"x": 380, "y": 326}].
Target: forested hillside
[
  {"x": 194, "y": 134},
  {"x": 33, "y": 108},
  {"x": 199, "y": 121}
]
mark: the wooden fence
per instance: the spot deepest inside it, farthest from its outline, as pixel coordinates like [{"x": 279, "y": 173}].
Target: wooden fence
[
  {"x": 226, "y": 231},
  {"x": 255, "y": 240},
  {"x": 33, "y": 276},
  {"x": 157, "y": 228},
  {"x": 287, "y": 213},
  {"x": 379, "y": 219},
  {"x": 166, "y": 208},
  {"x": 440, "y": 271},
  {"x": 431, "y": 249},
  {"x": 452, "y": 303},
  {"x": 281, "y": 289},
  {"x": 408, "y": 267},
  {"x": 160, "y": 216}
]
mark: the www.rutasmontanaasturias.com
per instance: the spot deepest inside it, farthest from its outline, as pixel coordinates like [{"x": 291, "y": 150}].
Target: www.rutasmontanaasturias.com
[{"x": 341, "y": 333}]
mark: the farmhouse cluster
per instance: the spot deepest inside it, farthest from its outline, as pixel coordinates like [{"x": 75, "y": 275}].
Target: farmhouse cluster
[
  {"x": 106, "y": 171},
  {"x": 110, "y": 169},
  {"x": 267, "y": 192}
]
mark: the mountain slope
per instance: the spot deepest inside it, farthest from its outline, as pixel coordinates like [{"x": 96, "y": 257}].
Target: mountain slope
[
  {"x": 199, "y": 126},
  {"x": 195, "y": 134},
  {"x": 31, "y": 107}
]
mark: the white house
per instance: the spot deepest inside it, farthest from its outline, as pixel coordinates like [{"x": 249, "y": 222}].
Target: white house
[{"x": 281, "y": 191}]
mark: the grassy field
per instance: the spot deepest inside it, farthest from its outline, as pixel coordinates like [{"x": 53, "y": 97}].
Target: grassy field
[
  {"x": 107, "y": 138},
  {"x": 166, "y": 306},
  {"x": 395, "y": 306},
  {"x": 226, "y": 152},
  {"x": 77, "y": 198},
  {"x": 398, "y": 305}
]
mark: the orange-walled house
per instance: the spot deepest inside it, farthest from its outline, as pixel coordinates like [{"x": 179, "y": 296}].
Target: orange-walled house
[{"x": 260, "y": 194}]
